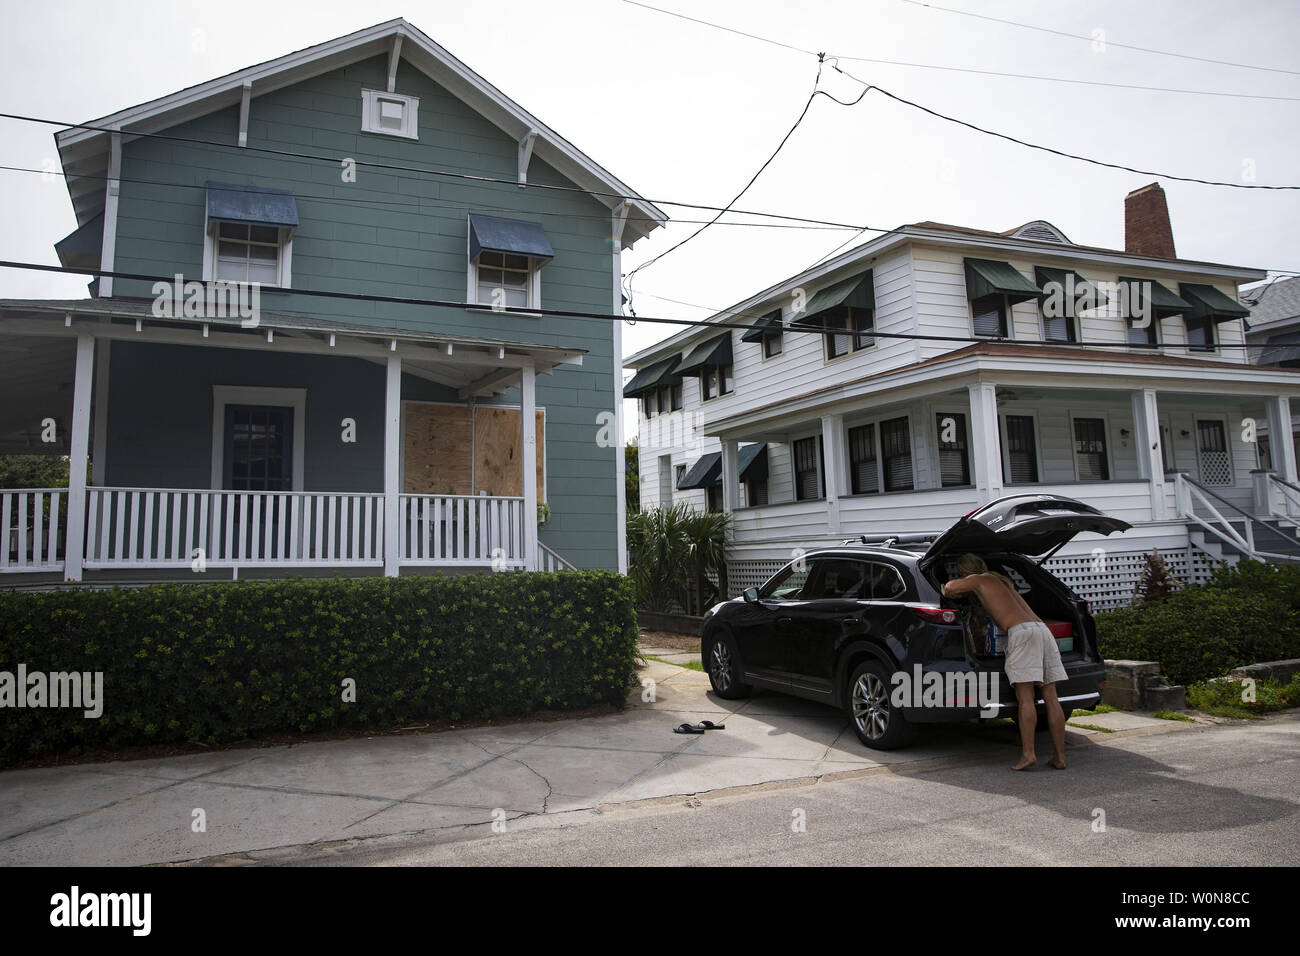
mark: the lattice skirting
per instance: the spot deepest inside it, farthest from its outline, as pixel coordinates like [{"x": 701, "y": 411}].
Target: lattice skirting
[{"x": 1105, "y": 581}]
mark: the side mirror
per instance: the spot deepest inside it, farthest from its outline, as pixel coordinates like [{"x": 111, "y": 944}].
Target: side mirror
[{"x": 750, "y": 595}]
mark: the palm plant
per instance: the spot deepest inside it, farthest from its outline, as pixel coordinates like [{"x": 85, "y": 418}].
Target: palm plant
[{"x": 671, "y": 552}]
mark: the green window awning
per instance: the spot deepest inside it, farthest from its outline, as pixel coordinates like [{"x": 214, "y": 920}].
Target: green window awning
[
  {"x": 1082, "y": 287},
  {"x": 769, "y": 324},
  {"x": 1209, "y": 303},
  {"x": 991, "y": 277},
  {"x": 713, "y": 352},
  {"x": 652, "y": 377},
  {"x": 1164, "y": 303},
  {"x": 858, "y": 292},
  {"x": 751, "y": 462},
  {"x": 706, "y": 471}
]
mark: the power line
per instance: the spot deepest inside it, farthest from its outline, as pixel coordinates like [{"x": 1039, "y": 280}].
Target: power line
[
  {"x": 1049, "y": 149},
  {"x": 735, "y": 199},
  {"x": 562, "y": 313},
  {"x": 959, "y": 69},
  {"x": 421, "y": 204},
  {"x": 1107, "y": 42},
  {"x": 425, "y": 171}
]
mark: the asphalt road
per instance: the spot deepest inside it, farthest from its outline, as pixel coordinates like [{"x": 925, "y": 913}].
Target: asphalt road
[{"x": 1221, "y": 795}]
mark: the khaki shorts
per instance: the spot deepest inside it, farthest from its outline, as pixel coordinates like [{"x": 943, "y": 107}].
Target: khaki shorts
[{"x": 1032, "y": 655}]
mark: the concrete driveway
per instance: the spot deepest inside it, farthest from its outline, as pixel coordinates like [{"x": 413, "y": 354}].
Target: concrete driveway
[{"x": 288, "y": 801}]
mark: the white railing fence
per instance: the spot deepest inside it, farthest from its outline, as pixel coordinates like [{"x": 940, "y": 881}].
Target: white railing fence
[
  {"x": 462, "y": 529},
  {"x": 1206, "y": 510},
  {"x": 157, "y": 527},
  {"x": 34, "y": 522},
  {"x": 549, "y": 560}
]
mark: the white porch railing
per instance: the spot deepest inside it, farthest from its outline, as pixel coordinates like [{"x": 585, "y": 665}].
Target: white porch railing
[
  {"x": 34, "y": 523},
  {"x": 551, "y": 561},
  {"x": 462, "y": 529},
  {"x": 158, "y": 527},
  {"x": 1193, "y": 498}
]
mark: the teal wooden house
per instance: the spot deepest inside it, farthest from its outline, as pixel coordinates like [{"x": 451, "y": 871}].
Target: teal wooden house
[{"x": 246, "y": 424}]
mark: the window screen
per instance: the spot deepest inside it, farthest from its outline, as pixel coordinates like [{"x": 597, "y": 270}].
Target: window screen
[
  {"x": 896, "y": 450},
  {"x": 807, "y": 471},
  {"x": 864, "y": 477},
  {"x": 954, "y": 460},
  {"x": 1090, "y": 449},
  {"x": 1022, "y": 453}
]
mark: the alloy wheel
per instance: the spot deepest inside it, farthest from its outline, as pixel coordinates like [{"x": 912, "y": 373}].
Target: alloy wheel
[
  {"x": 870, "y": 706},
  {"x": 720, "y": 666}
]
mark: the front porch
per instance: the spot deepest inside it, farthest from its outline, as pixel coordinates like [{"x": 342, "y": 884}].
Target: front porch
[
  {"x": 316, "y": 439},
  {"x": 1178, "y": 450}
]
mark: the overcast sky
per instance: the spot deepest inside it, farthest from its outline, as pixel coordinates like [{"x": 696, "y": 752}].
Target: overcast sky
[{"x": 680, "y": 111}]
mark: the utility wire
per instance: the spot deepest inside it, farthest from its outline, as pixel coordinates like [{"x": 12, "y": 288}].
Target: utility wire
[
  {"x": 1049, "y": 149},
  {"x": 564, "y": 313},
  {"x": 420, "y": 204},
  {"x": 627, "y": 282},
  {"x": 422, "y": 171},
  {"x": 1090, "y": 39},
  {"x": 958, "y": 69}
]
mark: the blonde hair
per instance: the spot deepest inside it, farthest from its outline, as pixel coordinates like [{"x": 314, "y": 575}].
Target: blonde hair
[{"x": 969, "y": 564}]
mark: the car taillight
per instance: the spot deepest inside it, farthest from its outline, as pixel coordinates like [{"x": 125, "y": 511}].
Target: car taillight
[{"x": 936, "y": 615}]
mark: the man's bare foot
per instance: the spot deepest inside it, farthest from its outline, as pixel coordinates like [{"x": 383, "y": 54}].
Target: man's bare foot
[
  {"x": 1057, "y": 762},
  {"x": 1025, "y": 763}
]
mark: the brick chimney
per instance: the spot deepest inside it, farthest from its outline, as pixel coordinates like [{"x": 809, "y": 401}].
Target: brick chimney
[{"x": 1146, "y": 223}]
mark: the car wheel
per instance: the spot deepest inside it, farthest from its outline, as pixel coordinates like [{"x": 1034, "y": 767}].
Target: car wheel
[
  {"x": 723, "y": 667},
  {"x": 878, "y": 724}
]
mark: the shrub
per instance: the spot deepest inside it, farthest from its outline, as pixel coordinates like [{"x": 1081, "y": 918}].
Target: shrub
[
  {"x": 216, "y": 663},
  {"x": 1227, "y": 696},
  {"x": 1242, "y": 616},
  {"x": 671, "y": 551},
  {"x": 1155, "y": 582}
]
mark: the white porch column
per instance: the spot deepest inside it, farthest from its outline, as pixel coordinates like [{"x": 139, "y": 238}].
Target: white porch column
[
  {"x": 987, "y": 441},
  {"x": 1146, "y": 439},
  {"x": 835, "y": 469},
  {"x": 730, "y": 476},
  {"x": 528, "y": 461},
  {"x": 75, "y": 546},
  {"x": 1280, "y": 446},
  {"x": 392, "y": 467},
  {"x": 618, "y": 218}
]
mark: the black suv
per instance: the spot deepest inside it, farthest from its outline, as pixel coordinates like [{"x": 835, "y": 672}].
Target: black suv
[{"x": 840, "y": 625}]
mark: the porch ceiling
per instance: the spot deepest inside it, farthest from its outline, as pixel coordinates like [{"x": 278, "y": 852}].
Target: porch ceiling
[{"x": 474, "y": 366}]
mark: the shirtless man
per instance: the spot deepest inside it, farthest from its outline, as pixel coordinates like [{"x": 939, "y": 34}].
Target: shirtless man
[{"x": 1032, "y": 656}]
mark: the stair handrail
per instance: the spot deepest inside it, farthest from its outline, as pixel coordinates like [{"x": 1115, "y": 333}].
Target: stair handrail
[
  {"x": 1189, "y": 488},
  {"x": 1290, "y": 492}
]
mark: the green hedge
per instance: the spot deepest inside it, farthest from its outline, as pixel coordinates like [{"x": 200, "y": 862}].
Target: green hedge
[
  {"x": 222, "y": 662},
  {"x": 1243, "y": 615}
]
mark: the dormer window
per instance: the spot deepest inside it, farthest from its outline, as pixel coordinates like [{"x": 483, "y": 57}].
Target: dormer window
[{"x": 392, "y": 114}]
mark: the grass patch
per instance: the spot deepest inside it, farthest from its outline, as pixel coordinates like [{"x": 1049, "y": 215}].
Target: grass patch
[
  {"x": 1232, "y": 696},
  {"x": 689, "y": 665},
  {"x": 1172, "y": 715},
  {"x": 1099, "y": 709},
  {"x": 1099, "y": 729}
]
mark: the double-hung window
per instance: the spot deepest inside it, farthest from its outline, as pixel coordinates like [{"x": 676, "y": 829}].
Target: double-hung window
[
  {"x": 1090, "y": 449},
  {"x": 880, "y": 457},
  {"x": 504, "y": 280},
  {"x": 850, "y": 330},
  {"x": 989, "y": 316},
  {"x": 954, "y": 456},
  {"x": 1200, "y": 334},
  {"x": 808, "y": 468},
  {"x": 506, "y": 257},
  {"x": 249, "y": 234},
  {"x": 1021, "y": 460},
  {"x": 715, "y": 380}
]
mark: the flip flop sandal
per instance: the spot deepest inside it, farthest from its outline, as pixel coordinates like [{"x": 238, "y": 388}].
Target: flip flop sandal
[
  {"x": 710, "y": 725},
  {"x": 688, "y": 729}
]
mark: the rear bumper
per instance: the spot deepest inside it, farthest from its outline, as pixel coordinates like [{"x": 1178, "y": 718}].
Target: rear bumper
[{"x": 1080, "y": 691}]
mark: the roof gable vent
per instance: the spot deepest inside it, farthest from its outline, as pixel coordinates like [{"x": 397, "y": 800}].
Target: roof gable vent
[{"x": 1038, "y": 229}]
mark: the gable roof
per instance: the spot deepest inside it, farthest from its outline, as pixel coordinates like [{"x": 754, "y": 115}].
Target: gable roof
[{"x": 84, "y": 153}]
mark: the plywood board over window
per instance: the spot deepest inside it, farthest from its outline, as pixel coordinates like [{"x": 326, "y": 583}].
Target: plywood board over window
[
  {"x": 463, "y": 450},
  {"x": 439, "y": 449},
  {"x": 497, "y": 451}
]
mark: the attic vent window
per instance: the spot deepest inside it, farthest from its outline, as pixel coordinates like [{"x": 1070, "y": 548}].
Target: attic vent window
[
  {"x": 392, "y": 114},
  {"x": 1043, "y": 231}
]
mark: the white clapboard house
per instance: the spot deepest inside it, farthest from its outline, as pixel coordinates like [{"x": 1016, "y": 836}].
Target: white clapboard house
[{"x": 898, "y": 386}]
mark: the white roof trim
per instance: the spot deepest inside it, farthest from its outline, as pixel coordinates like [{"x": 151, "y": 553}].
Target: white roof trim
[{"x": 79, "y": 149}]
